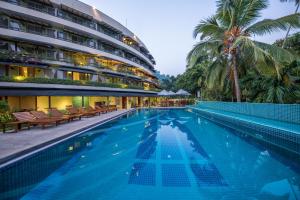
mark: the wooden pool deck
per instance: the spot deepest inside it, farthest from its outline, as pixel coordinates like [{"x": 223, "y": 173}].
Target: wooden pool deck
[{"x": 16, "y": 145}]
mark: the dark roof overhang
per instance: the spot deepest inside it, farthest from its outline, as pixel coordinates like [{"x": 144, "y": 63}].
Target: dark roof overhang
[{"x": 34, "y": 89}]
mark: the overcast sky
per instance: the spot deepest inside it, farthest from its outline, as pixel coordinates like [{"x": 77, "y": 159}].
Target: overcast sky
[{"x": 166, "y": 26}]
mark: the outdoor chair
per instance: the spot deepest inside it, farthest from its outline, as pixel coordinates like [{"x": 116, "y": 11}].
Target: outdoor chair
[
  {"x": 87, "y": 112},
  {"x": 112, "y": 107},
  {"x": 81, "y": 112},
  {"x": 101, "y": 109},
  {"x": 44, "y": 116},
  {"x": 56, "y": 113},
  {"x": 106, "y": 108},
  {"x": 90, "y": 108},
  {"x": 32, "y": 120}
]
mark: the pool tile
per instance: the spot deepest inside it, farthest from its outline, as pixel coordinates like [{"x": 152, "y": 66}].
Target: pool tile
[
  {"x": 174, "y": 175},
  {"x": 208, "y": 175},
  {"x": 170, "y": 152},
  {"x": 142, "y": 174},
  {"x": 147, "y": 148},
  {"x": 169, "y": 146}
]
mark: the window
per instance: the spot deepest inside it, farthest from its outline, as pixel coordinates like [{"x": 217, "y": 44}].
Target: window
[
  {"x": 13, "y": 1},
  {"x": 50, "y": 54},
  {"x": 91, "y": 61},
  {"x": 4, "y": 45},
  {"x": 13, "y": 71},
  {"x": 26, "y": 71},
  {"x": 32, "y": 28},
  {"x": 61, "y": 35},
  {"x": 92, "y": 43},
  {"x": 50, "y": 33},
  {"x": 60, "y": 13},
  {"x": 93, "y": 25},
  {"x": 39, "y": 73},
  {"x": 68, "y": 75},
  {"x": 65, "y": 56},
  {"x": 85, "y": 76},
  {"x": 3, "y": 21},
  {"x": 14, "y": 25},
  {"x": 76, "y": 76},
  {"x": 77, "y": 39}
]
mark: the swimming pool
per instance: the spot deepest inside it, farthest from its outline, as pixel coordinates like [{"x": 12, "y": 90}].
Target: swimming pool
[{"x": 155, "y": 154}]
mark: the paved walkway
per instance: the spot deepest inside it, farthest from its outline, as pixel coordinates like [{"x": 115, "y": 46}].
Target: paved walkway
[{"x": 13, "y": 145}]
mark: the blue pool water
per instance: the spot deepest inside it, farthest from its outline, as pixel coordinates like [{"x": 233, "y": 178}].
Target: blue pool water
[{"x": 155, "y": 154}]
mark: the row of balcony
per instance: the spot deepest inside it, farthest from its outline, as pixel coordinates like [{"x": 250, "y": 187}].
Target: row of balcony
[
  {"x": 79, "y": 20},
  {"x": 41, "y": 56},
  {"x": 22, "y": 74},
  {"x": 69, "y": 37},
  {"x": 21, "y": 79}
]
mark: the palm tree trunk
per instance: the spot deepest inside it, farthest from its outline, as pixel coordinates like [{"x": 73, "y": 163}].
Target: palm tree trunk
[
  {"x": 236, "y": 79},
  {"x": 289, "y": 29}
]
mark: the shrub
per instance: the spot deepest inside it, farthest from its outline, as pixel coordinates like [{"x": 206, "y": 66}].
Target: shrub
[
  {"x": 5, "y": 117},
  {"x": 4, "y": 107}
]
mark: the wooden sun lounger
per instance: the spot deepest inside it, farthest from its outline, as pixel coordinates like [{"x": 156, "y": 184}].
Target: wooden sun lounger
[
  {"x": 109, "y": 108},
  {"x": 102, "y": 109},
  {"x": 56, "y": 113},
  {"x": 112, "y": 107},
  {"x": 91, "y": 109},
  {"x": 27, "y": 117},
  {"x": 43, "y": 116},
  {"x": 81, "y": 112},
  {"x": 86, "y": 112}
]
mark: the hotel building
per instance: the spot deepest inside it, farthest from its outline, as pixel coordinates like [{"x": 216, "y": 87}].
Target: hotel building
[{"x": 55, "y": 53}]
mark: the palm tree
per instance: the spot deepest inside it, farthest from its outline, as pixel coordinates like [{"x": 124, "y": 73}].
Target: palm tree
[
  {"x": 272, "y": 90},
  {"x": 297, "y": 3},
  {"x": 226, "y": 39}
]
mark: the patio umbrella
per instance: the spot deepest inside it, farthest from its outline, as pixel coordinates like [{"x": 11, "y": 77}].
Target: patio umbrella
[
  {"x": 170, "y": 93},
  {"x": 182, "y": 92},
  {"x": 163, "y": 93}
]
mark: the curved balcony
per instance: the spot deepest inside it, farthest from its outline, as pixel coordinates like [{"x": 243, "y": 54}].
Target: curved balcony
[
  {"x": 49, "y": 15},
  {"x": 47, "y": 37}
]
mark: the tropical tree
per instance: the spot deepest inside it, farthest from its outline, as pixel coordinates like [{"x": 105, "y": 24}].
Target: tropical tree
[
  {"x": 297, "y": 3},
  {"x": 292, "y": 43},
  {"x": 167, "y": 82},
  {"x": 226, "y": 38},
  {"x": 192, "y": 79},
  {"x": 270, "y": 89}
]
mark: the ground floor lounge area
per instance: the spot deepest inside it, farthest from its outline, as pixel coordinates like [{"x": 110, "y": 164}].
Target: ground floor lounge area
[{"x": 43, "y": 103}]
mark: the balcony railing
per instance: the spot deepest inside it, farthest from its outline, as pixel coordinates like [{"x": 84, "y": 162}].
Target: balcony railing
[
  {"x": 40, "y": 57},
  {"x": 51, "y": 33},
  {"x": 33, "y": 5},
  {"x": 86, "y": 23},
  {"x": 69, "y": 82}
]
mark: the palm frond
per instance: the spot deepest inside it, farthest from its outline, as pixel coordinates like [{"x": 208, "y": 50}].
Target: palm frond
[
  {"x": 250, "y": 11},
  {"x": 217, "y": 74},
  {"x": 202, "y": 49},
  {"x": 209, "y": 28},
  {"x": 268, "y": 26},
  {"x": 224, "y": 11},
  {"x": 261, "y": 59},
  {"x": 279, "y": 54},
  {"x": 296, "y": 1}
]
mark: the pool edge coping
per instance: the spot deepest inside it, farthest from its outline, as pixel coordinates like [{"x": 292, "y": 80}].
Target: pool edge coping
[
  {"x": 257, "y": 123},
  {"x": 250, "y": 121},
  {"x": 15, "y": 157}
]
